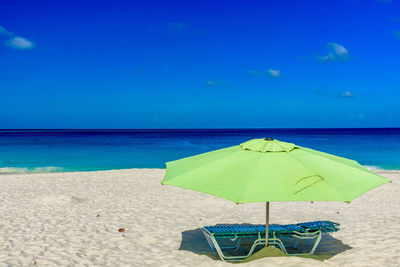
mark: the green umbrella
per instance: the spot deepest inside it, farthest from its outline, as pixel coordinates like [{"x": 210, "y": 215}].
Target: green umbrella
[{"x": 268, "y": 170}]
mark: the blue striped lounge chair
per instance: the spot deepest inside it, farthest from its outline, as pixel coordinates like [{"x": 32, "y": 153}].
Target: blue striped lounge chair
[{"x": 235, "y": 233}]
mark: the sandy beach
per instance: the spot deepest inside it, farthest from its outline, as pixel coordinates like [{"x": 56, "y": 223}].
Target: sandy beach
[{"x": 72, "y": 219}]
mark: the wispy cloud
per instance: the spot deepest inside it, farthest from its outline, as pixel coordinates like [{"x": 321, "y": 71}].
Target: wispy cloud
[
  {"x": 394, "y": 19},
  {"x": 3, "y": 31},
  {"x": 358, "y": 116},
  {"x": 274, "y": 73},
  {"x": 178, "y": 26},
  {"x": 215, "y": 83},
  {"x": 182, "y": 28},
  {"x": 270, "y": 72},
  {"x": 337, "y": 52},
  {"x": 347, "y": 94},
  {"x": 16, "y": 42},
  {"x": 396, "y": 34},
  {"x": 20, "y": 43}
]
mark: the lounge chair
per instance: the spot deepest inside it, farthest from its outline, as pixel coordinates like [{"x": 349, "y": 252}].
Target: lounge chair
[{"x": 236, "y": 233}]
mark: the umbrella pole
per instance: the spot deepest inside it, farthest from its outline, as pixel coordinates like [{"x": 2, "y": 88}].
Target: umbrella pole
[{"x": 266, "y": 223}]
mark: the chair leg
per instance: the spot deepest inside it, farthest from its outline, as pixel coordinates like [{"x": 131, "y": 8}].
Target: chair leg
[
  {"x": 316, "y": 235},
  {"x": 316, "y": 243},
  {"x": 296, "y": 243},
  {"x": 214, "y": 244},
  {"x": 238, "y": 244}
]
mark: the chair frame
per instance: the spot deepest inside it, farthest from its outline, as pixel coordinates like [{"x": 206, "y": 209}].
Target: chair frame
[{"x": 273, "y": 239}]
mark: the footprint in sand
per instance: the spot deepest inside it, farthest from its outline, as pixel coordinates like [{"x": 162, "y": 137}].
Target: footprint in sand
[{"x": 60, "y": 200}]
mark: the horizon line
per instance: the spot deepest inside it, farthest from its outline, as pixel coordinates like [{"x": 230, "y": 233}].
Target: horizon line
[{"x": 141, "y": 129}]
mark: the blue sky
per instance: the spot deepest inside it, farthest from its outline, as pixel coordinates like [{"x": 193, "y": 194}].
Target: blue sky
[{"x": 199, "y": 64}]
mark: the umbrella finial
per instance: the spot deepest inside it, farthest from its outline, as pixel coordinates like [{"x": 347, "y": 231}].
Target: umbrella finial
[{"x": 269, "y": 139}]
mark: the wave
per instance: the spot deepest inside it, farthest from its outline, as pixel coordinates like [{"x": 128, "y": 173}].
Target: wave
[
  {"x": 373, "y": 168},
  {"x": 377, "y": 168},
  {"x": 16, "y": 170}
]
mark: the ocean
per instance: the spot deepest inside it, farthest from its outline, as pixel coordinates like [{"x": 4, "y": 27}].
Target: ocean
[{"x": 91, "y": 150}]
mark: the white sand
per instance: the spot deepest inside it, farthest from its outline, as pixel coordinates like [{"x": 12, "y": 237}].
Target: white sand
[{"x": 51, "y": 220}]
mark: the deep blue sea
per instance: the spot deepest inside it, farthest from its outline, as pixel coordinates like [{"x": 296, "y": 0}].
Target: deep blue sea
[{"x": 91, "y": 150}]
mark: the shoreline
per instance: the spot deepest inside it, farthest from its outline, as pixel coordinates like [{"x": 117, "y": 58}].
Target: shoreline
[{"x": 374, "y": 169}]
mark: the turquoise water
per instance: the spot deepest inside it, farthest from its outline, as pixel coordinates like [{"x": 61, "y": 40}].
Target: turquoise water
[{"x": 90, "y": 150}]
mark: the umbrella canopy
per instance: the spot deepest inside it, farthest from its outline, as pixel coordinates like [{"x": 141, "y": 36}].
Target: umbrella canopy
[{"x": 267, "y": 170}]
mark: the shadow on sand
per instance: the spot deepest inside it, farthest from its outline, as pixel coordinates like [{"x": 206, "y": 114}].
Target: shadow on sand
[{"x": 194, "y": 241}]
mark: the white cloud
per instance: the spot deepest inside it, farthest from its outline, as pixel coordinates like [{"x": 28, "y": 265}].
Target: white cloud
[
  {"x": 3, "y": 31},
  {"x": 209, "y": 83},
  {"x": 337, "y": 53},
  {"x": 216, "y": 83},
  {"x": 347, "y": 94},
  {"x": 20, "y": 43},
  {"x": 16, "y": 42},
  {"x": 270, "y": 72},
  {"x": 274, "y": 73}
]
